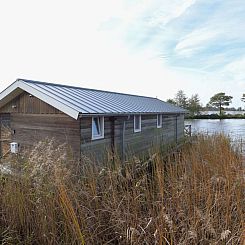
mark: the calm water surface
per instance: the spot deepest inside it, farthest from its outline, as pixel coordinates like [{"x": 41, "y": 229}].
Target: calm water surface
[
  {"x": 226, "y": 112},
  {"x": 233, "y": 127}
]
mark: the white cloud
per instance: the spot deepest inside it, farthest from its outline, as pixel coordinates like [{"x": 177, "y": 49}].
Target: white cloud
[
  {"x": 196, "y": 41},
  {"x": 64, "y": 41},
  {"x": 236, "y": 69},
  {"x": 163, "y": 15}
]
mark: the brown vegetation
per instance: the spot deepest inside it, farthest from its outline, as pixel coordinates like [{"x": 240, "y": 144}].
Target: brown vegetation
[{"x": 195, "y": 196}]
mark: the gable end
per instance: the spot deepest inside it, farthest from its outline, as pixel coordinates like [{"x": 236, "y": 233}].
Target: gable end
[{"x": 28, "y": 104}]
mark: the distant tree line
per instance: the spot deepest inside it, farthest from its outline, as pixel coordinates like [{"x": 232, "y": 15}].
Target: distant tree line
[
  {"x": 218, "y": 102},
  {"x": 192, "y": 104}
]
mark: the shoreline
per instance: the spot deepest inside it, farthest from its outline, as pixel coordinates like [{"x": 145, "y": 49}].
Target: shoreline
[{"x": 216, "y": 116}]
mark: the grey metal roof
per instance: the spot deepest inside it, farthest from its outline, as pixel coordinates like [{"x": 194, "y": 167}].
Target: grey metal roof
[{"x": 91, "y": 101}]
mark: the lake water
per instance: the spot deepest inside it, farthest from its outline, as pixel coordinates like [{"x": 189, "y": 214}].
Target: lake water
[
  {"x": 233, "y": 127},
  {"x": 226, "y": 112}
]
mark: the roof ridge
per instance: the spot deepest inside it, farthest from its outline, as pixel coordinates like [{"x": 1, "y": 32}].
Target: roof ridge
[{"x": 91, "y": 89}]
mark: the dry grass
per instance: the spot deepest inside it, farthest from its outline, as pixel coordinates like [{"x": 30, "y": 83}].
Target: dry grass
[{"x": 195, "y": 196}]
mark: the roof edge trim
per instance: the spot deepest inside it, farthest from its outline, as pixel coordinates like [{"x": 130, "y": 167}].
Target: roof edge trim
[{"x": 47, "y": 99}]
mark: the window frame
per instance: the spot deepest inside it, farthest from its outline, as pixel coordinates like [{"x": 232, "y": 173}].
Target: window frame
[
  {"x": 159, "y": 115},
  {"x": 137, "y": 130},
  {"x": 102, "y": 128}
]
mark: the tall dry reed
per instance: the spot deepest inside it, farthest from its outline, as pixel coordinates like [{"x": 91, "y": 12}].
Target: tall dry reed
[{"x": 193, "y": 196}]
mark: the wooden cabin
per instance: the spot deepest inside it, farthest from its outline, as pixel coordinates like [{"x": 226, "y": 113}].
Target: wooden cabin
[{"x": 91, "y": 122}]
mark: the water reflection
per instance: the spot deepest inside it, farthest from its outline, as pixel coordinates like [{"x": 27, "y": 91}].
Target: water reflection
[{"x": 233, "y": 127}]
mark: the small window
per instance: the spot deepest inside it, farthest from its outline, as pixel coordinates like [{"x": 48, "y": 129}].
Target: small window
[
  {"x": 97, "y": 128},
  {"x": 137, "y": 123},
  {"x": 159, "y": 121}
]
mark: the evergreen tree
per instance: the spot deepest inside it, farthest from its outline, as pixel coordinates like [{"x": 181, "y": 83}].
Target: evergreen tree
[
  {"x": 171, "y": 101},
  {"x": 181, "y": 99},
  {"x": 194, "y": 105},
  {"x": 220, "y": 100}
]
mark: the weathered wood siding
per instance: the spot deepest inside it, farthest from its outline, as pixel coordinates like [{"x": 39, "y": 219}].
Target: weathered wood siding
[
  {"x": 33, "y": 120},
  {"x": 134, "y": 143},
  {"x": 180, "y": 126},
  {"x": 150, "y": 136},
  {"x": 31, "y": 128},
  {"x": 25, "y": 103},
  {"x": 98, "y": 149},
  {"x": 5, "y": 133}
]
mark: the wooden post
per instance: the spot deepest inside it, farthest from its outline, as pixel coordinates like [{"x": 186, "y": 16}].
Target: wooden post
[
  {"x": 176, "y": 128},
  {"x": 123, "y": 141},
  {"x": 0, "y": 137},
  {"x": 112, "y": 120}
]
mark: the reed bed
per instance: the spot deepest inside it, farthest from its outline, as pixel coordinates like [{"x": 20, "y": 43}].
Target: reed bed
[{"x": 193, "y": 196}]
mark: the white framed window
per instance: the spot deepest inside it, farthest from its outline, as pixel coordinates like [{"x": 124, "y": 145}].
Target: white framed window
[
  {"x": 159, "y": 121},
  {"x": 137, "y": 123},
  {"x": 97, "y": 128}
]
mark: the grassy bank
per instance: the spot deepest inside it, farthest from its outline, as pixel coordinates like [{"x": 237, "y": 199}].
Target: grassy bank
[{"x": 195, "y": 196}]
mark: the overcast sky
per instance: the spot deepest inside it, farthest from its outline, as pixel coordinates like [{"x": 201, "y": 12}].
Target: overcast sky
[{"x": 147, "y": 47}]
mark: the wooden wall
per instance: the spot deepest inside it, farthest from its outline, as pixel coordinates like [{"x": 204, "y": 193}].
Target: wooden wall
[
  {"x": 24, "y": 103},
  {"x": 32, "y": 120},
  {"x": 135, "y": 143},
  {"x": 98, "y": 149},
  {"x": 151, "y": 136},
  {"x": 5, "y": 133},
  {"x": 28, "y": 129},
  {"x": 31, "y": 128}
]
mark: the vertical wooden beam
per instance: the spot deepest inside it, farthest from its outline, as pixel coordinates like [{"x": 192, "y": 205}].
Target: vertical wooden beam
[
  {"x": 176, "y": 128},
  {"x": 80, "y": 139},
  {"x": 123, "y": 140},
  {"x": 0, "y": 136},
  {"x": 112, "y": 120}
]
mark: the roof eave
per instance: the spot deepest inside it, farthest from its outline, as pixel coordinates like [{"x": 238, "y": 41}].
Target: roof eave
[
  {"x": 129, "y": 113},
  {"x": 19, "y": 86}
]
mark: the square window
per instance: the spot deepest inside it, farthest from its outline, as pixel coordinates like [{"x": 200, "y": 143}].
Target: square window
[
  {"x": 137, "y": 123},
  {"x": 159, "y": 121},
  {"x": 97, "y": 128}
]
